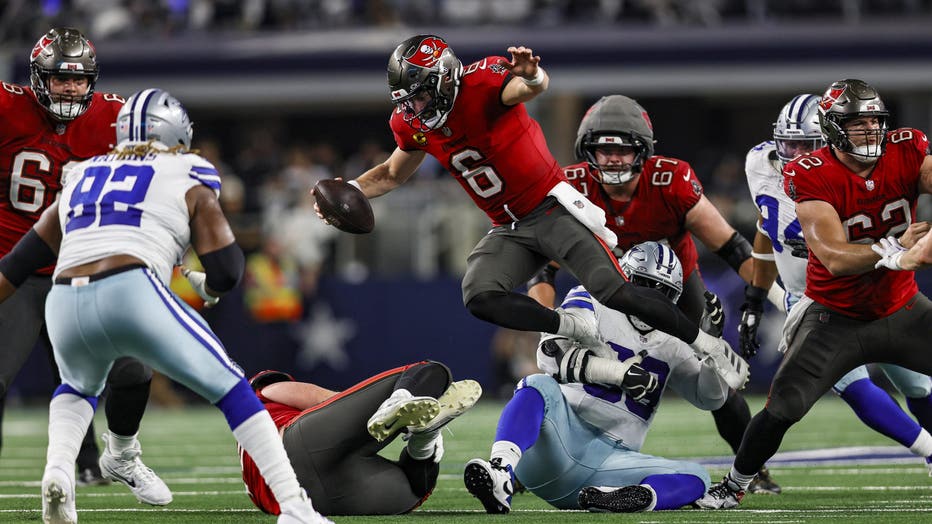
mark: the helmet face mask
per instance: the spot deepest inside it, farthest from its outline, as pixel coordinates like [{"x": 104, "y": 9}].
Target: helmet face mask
[
  {"x": 63, "y": 52},
  {"x": 853, "y": 119},
  {"x": 797, "y": 130},
  {"x": 153, "y": 114},
  {"x": 615, "y": 120},
  {"x": 653, "y": 265},
  {"x": 424, "y": 78}
]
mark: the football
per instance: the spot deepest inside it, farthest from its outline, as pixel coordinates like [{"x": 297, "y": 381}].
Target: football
[{"x": 344, "y": 206}]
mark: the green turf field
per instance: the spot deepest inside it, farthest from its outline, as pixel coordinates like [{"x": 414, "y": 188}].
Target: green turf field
[{"x": 194, "y": 452}]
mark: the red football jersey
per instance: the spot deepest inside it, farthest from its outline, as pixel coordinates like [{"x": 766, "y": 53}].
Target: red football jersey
[
  {"x": 258, "y": 490},
  {"x": 34, "y": 148},
  {"x": 496, "y": 152},
  {"x": 667, "y": 190},
  {"x": 871, "y": 208}
]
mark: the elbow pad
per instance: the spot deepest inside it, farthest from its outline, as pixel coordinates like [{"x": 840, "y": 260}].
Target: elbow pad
[
  {"x": 224, "y": 267},
  {"x": 29, "y": 255},
  {"x": 735, "y": 251}
]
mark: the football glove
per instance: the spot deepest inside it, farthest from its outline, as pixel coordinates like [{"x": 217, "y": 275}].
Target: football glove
[
  {"x": 638, "y": 382},
  {"x": 751, "y": 313},
  {"x": 713, "y": 318},
  {"x": 198, "y": 280},
  {"x": 890, "y": 251},
  {"x": 798, "y": 247}
]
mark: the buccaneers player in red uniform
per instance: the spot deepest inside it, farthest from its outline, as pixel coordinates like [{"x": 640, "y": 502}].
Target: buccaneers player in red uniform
[
  {"x": 653, "y": 197},
  {"x": 61, "y": 120},
  {"x": 858, "y": 308},
  {"x": 472, "y": 119}
]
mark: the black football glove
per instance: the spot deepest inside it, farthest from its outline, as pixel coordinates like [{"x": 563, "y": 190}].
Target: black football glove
[
  {"x": 752, "y": 311},
  {"x": 797, "y": 247},
  {"x": 713, "y": 318},
  {"x": 638, "y": 382}
]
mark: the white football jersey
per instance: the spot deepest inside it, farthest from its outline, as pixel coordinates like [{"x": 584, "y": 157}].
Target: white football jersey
[
  {"x": 765, "y": 181},
  {"x": 671, "y": 360},
  {"x": 130, "y": 205}
]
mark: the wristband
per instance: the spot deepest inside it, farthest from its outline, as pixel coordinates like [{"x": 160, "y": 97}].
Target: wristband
[
  {"x": 537, "y": 80},
  {"x": 763, "y": 256}
]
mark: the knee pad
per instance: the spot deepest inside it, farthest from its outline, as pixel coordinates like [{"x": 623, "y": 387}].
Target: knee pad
[{"x": 127, "y": 372}]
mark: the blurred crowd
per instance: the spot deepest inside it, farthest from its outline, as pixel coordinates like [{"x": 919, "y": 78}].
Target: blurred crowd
[{"x": 21, "y": 21}]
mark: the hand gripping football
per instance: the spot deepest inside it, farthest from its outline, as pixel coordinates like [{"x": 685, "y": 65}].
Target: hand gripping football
[{"x": 344, "y": 206}]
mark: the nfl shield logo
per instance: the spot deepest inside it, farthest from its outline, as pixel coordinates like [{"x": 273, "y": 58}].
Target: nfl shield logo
[{"x": 869, "y": 184}]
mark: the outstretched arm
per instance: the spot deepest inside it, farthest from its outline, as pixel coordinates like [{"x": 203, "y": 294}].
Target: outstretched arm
[
  {"x": 395, "y": 171},
  {"x": 529, "y": 78}
]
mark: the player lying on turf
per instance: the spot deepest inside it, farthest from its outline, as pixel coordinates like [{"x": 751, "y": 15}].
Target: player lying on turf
[
  {"x": 333, "y": 439},
  {"x": 574, "y": 438}
]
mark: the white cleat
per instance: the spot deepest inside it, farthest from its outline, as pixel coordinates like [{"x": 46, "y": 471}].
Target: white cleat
[
  {"x": 128, "y": 468},
  {"x": 401, "y": 410},
  {"x": 578, "y": 327},
  {"x": 299, "y": 510},
  {"x": 459, "y": 397},
  {"x": 58, "y": 497}
]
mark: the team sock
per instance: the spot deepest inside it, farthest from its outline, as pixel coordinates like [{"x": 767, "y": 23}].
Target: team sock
[
  {"x": 69, "y": 416},
  {"x": 923, "y": 444},
  {"x": 521, "y": 418},
  {"x": 675, "y": 490},
  {"x": 120, "y": 443},
  {"x": 422, "y": 446},
  {"x": 739, "y": 480},
  {"x": 258, "y": 436},
  {"x": 508, "y": 452},
  {"x": 880, "y": 412}
]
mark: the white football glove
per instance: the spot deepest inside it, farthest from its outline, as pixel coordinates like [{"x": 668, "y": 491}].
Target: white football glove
[
  {"x": 717, "y": 353},
  {"x": 198, "y": 280},
  {"x": 890, "y": 251}
]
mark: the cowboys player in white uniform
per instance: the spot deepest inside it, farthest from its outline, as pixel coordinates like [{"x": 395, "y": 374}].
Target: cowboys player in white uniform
[
  {"x": 779, "y": 246},
  {"x": 122, "y": 222},
  {"x": 573, "y": 436}
]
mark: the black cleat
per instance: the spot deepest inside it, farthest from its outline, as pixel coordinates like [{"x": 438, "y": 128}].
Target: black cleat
[
  {"x": 763, "y": 484},
  {"x": 629, "y": 499}
]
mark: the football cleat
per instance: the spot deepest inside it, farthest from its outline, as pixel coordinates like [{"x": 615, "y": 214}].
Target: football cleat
[
  {"x": 576, "y": 326},
  {"x": 401, "y": 410},
  {"x": 299, "y": 510},
  {"x": 629, "y": 499},
  {"x": 929, "y": 464},
  {"x": 724, "y": 495},
  {"x": 58, "y": 497},
  {"x": 128, "y": 468},
  {"x": 459, "y": 397},
  {"x": 491, "y": 483},
  {"x": 763, "y": 484}
]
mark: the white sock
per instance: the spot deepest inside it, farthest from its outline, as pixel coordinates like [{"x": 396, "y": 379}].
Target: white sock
[
  {"x": 259, "y": 437},
  {"x": 69, "y": 417},
  {"x": 421, "y": 446},
  {"x": 923, "y": 444},
  {"x": 119, "y": 443},
  {"x": 507, "y": 451},
  {"x": 742, "y": 480}
]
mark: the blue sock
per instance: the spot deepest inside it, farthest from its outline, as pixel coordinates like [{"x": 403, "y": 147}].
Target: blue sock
[
  {"x": 675, "y": 490},
  {"x": 880, "y": 412},
  {"x": 521, "y": 419},
  {"x": 922, "y": 408}
]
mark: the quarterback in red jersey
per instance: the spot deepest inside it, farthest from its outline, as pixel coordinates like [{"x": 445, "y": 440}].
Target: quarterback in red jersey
[
  {"x": 59, "y": 120},
  {"x": 473, "y": 120},
  {"x": 652, "y": 197},
  {"x": 335, "y": 450},
  {"x": 853, "y": 198}
]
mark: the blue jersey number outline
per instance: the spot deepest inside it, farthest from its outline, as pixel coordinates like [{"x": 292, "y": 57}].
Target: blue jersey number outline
[
  {"x": 645, "y": 407},
  {"x": 95, "y": 202},
  {"x": 770, "y": 222}
]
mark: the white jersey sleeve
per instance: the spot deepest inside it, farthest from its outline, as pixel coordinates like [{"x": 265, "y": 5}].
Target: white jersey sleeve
[
  {"x": 118, "y": 205},
  {"x": 778, "y": 213},
  {"x": 610, "y": 409}
]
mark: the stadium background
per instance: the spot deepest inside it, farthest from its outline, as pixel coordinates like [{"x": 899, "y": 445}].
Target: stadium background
[{"x": 284, "y": 93}]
